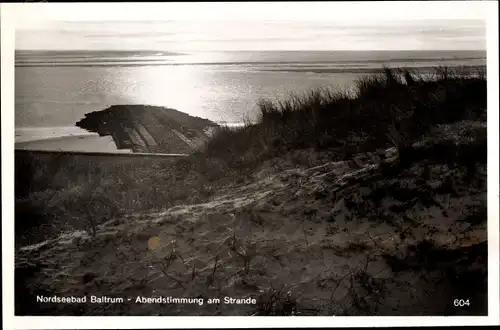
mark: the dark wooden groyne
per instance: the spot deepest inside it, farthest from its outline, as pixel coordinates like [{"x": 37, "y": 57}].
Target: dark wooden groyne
[{"x": 103, "y": 154}]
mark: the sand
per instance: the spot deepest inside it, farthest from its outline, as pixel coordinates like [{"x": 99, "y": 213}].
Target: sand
[
  {"x": 306, "y": 241},
  {"x": 84, "y": 143}
]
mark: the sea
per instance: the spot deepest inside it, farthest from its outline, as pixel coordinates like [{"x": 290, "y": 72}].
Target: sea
[{"x": 55, "y": 89}]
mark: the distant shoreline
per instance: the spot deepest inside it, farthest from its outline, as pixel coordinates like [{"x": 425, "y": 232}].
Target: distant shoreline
[{"x": 64, "y": 142}]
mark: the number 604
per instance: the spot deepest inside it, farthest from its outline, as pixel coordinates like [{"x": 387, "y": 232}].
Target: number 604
[{"x": 461, "y": 302}]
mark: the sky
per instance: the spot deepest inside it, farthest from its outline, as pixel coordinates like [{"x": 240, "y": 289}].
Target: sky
[{"x": 244, "y": 26}]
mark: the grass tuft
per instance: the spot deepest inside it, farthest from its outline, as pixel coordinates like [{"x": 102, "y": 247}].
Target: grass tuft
[{"x": 394, "y": 108}]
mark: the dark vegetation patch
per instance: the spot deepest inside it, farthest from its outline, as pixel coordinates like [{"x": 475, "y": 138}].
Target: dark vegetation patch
[
  {"x": 388, "y": 109},
  {"x": 393, "y": 109}
]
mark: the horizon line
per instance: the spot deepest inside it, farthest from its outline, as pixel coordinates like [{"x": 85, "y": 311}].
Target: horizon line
[{"x": 243, "y": 50}]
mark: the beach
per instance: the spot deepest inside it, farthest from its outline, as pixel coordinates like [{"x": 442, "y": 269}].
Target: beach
[{"x": 83, "y": 143}]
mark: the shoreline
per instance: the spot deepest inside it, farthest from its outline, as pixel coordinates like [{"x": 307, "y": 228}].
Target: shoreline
[{"x": 48, "y": 139}]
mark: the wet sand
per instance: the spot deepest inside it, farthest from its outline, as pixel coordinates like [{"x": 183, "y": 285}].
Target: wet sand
[{"x": 85, "y": 143}]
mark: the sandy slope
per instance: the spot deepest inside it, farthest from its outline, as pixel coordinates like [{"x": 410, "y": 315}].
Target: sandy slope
[{"x": 337, "y": 239}]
